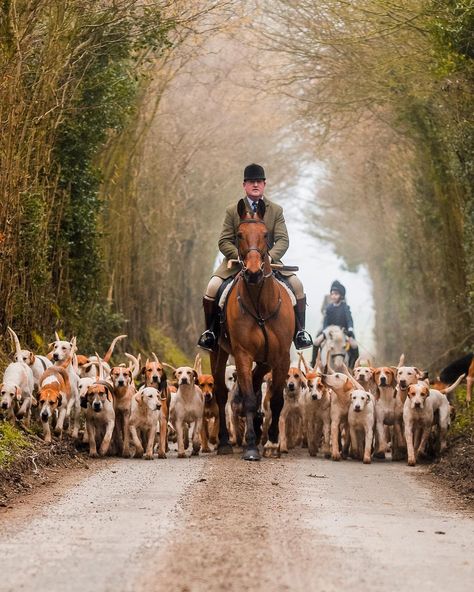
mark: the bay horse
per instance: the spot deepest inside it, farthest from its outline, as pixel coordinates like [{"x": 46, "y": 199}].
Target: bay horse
[{"x": 260, "y": 324}]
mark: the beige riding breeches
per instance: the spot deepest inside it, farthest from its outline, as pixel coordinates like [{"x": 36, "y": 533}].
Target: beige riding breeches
[{"x": 216, "y": 282}]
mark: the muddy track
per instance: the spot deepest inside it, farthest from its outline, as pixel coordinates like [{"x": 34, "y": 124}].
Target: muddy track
[{"x": 214, "y": 523}]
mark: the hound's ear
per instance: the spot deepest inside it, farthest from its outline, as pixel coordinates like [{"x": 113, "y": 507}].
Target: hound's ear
[
  {"x": 394, "y": 379},
  {"x": 196, "y": 377},
  {"x": 369, "y": 398},
  {"x": 138, "y": 396},
  {"x": 60, "y": 400},
  {"x": 34, "y": 402},
  {"x": 163, "y": 384},
  {"x": 143, "y": 370},
  {"x": 109, "y": 394},
  {"x": 241, "y": 209},
  {"x": 18, "y": 392},
  {"x": 56, "y": 336},
  {"x": 419, "y": 373},
  {"x": 261, "y": 209},
  {"x": 174, "y": 374},
  {"x": 31, "y": 359}
]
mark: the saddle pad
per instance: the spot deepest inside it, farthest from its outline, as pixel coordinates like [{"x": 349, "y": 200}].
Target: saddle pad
[
  {"x": 225, "y": 293},
  {"x": 228, "y": 288},
  {"x": 289, "y": 290}
]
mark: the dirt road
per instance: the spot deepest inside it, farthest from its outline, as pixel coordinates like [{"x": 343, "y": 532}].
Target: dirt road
[{"x": 218, "y": 523}]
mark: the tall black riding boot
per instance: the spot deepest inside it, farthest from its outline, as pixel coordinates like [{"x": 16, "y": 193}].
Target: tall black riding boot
[
  {"x": 302, "y": 339},
  {"x": 208, "y": 339}
]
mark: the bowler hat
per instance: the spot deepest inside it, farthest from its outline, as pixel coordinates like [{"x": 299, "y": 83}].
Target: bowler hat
[{"x": 254, "y": 172}]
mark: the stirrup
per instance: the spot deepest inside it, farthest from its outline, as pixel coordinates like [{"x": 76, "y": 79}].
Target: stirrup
[
  {"x": 208, "y": 341},
  {"x": 303, "y": 340}
]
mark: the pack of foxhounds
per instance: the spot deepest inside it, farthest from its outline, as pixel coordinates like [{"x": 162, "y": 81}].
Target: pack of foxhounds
[{"x": 136, "y": 410}]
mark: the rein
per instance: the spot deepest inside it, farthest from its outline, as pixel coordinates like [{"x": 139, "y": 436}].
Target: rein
[
  {"x": 260, "y": 320},
  {"x": 255, "y": 313}
]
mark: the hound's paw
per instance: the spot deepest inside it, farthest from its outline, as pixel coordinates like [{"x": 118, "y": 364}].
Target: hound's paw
[
  {"x": 411, "y": 462},
  {"x": 126, "y": 453},
  {"x": 206, "y": 449},
  {"x": 379, "y": 454},
  {"x": 195, "y": 451},
  {"x": 271, "y": 450},
  {"x": 367, "y": 460},
  {"x": 161, "y": 454},
  {"x": 284, "y": 450},
  {"x": 93, "y": 454},
  {"x": 336, "y": 456},
  {"x": 139, "y": 452},
  {"x": 181, "y": 455},
  {"x": 148, "y": 456}
]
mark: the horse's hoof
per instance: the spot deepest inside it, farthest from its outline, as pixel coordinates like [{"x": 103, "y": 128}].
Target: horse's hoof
[
  {"x": 225, "y": 449},
  {"x": 251, "y": 454}
]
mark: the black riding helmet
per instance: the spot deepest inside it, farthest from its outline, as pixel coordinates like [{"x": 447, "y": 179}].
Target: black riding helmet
[{"x": 336, "y": 286}]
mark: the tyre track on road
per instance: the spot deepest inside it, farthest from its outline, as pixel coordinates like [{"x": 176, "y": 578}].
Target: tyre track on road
[{"x": 214, "y": 523}]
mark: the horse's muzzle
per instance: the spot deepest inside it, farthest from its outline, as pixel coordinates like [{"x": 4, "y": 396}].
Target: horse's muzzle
[{"x": 253, "y": 277}]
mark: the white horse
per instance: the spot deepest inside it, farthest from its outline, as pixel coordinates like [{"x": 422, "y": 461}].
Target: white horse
[{"x": 334, "y": 348}]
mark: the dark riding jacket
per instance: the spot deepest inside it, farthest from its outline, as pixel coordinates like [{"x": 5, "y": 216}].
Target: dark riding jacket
[{"x": 338, "y": 314}]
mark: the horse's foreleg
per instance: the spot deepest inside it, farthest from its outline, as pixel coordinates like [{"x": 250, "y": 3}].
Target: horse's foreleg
[
  {"x": 218, "y": 369},
  {"x": 258, "y": 373},
  {"x": 243, "y": 363},
  {"x": 276, "y": 405}
]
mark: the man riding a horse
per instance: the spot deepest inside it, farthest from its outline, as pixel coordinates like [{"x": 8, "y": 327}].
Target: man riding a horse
[{"x": 277, "y": 240}]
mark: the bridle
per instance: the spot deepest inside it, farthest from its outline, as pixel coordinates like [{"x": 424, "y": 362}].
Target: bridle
[
  {"x": 256, "y": 314},
  {"x": 261, "y": 252}
]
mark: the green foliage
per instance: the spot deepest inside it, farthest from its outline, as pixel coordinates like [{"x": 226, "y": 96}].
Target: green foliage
[
  {"x": 102, "y": 106},
  {"x": 453, "y": 27},
  {"x": 463, "y": 423},
  {"x": 166, "y": 349},
  {"x": 12, "y": 441}
]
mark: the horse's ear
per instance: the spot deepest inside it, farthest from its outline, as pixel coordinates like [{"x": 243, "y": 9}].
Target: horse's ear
[
  {"x": 241, "y": 209},
  {"x": 261, "y": 209}
]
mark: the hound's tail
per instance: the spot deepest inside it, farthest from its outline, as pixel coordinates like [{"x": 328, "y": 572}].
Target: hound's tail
[
  {"x": 451, "y": 388},
  {"x": 16, "y": 343},
  {"x": 109, "y": 353}
]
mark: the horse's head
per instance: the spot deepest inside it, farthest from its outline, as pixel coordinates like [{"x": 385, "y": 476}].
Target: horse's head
[{"x": 252, "y": 243}]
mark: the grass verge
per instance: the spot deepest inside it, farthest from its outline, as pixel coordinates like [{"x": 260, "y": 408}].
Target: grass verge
[{"x": 456, "y": 466}]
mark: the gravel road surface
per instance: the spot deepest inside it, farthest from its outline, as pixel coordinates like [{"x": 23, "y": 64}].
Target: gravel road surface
[{"x": 218, "y": 523}]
